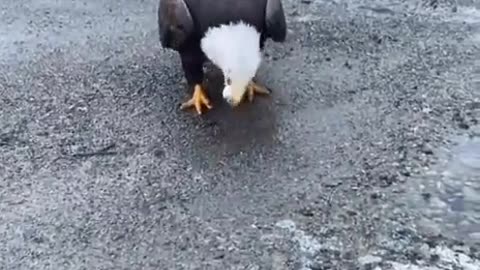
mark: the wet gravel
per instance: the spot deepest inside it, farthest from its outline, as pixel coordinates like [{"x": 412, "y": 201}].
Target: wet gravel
[{"x": 364, "y": 157}]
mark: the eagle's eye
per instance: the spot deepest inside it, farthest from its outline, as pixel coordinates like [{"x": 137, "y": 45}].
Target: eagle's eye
[{"x": 229, "y": 81}]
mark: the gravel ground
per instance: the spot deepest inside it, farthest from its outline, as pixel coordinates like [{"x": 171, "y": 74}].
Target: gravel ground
[{"x": 353, "y": 163}]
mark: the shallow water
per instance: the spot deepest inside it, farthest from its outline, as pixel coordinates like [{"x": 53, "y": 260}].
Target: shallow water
[{"x": 448, "y": 196}]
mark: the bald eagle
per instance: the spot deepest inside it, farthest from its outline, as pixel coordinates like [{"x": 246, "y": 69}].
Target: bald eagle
[{"x": 229, "y": 33}]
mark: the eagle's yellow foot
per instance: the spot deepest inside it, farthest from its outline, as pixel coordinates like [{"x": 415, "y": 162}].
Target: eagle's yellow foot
[
  {"x": 254, "y": 88},
  {"x": 198, "y": 99}
]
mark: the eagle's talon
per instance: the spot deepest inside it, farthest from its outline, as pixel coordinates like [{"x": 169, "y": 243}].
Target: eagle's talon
[
  {"x": 255, "y": 88},
  {"x": 198, "y": 99}
]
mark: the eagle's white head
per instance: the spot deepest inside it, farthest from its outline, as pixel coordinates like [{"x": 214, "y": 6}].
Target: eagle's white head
[{"x": 235, "y": 49}]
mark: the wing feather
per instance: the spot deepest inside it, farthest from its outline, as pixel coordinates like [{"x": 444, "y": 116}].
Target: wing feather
[
  {"x": 175, "y": 23},
  {"x": 275, "y": 21}
]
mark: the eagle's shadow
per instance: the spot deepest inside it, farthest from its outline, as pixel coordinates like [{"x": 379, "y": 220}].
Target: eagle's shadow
[{"x": 237, "y": 129}]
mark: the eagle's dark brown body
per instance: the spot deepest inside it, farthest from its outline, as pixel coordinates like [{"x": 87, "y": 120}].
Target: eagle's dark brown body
[{"x": 211, "y": 13}]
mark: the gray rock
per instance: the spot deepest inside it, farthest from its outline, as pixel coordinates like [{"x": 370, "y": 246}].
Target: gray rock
[
  {"x": 369, "y": 259},
  {"x": 475, "y": 236},
  {"x": 428, "y": 227}
]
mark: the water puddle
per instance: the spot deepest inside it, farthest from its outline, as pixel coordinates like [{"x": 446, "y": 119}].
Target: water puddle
[{"x": 448, "y": 196}]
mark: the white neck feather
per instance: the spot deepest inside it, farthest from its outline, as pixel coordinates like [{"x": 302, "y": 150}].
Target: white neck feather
[{"x": 234, "y": 48}]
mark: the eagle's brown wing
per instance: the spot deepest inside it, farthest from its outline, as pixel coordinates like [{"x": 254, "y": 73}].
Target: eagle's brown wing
[
  {"x": 276, "y": 25},
  {"x": 175, "y": 23}
]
